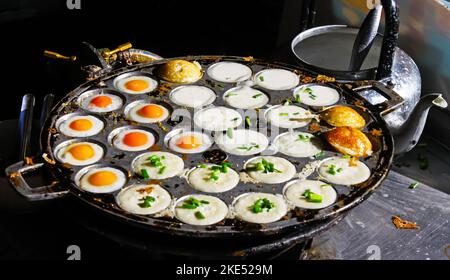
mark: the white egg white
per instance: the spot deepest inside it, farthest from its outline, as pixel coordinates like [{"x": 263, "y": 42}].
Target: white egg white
[
  {"x": 298, "y": 144},
  {"x": 244, "y": 97},
  {"x": 199, "y": 179},
  {"x": 134, "y": 115},
  {"x": 217, "y": 118},
  {"x": 276, "y": 79},
  {"x": 64, "y": 126},
  {"x": 215, "y": 211},
  {"x": 63, "y": 155},
  {"x": 192, "y": 96},
  {"x": 173, "y": 165},
  {"x": 119, "y": 143},
  {"x": 117, "y": 102},
  {"x": 286, "y": 170},
  {"x": 344, "y": 173},
  {"x": 118, "y": 184},
  {"x": 294, "y": 193},
  {"x": 316, "y": 95},
  {"x": 206, "y": 142},
  {"x": 229, "y": 72},
  {"x": 120, "y": 84},
  {"x": 285, "y": 116},
  {"x": 242, "y": 207},
  {"x": 130, "y": 199},
  {"x": 242, "y": 142}
]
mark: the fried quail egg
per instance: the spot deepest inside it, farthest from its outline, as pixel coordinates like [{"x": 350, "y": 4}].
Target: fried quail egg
[
  {"x": 217, "y": 118},
  {"x": 211, "y": 210},
  {"x": 192, "y": 96},
  {"x": 200, "y": 178},
  {"x": 180, "y": 71},
  {"x": 316, "y": 95},
  {"x": 229, "y": 72},
  {"x": 80, "y": 126},
  {"x": 276, "y": 79},
  {"x": 298, "y": 144},
  {"x": 260, "y": 208},
  {"x": 148, "y": 113},
  {"x": 79, "y": 153},
  {"x": 270, "y": 169},
  {"x": 135, "y": 84},
  {"x": 245, "y": 97},
  {"x": 343, "y": 116},
  {"x": 102, "y": 103},
  {"x": 296, "y": 192},
  {"x": 144, "y": 199},
  {"x": 340, "y": 171},
  {"x": 102, "y": 180},
  {"x": 190, "y": 142},
  {"x": 288, "y": 116},
  {"x": 349, "y": 141},
  {"x": 242, "y": 142},
  {"x": 157, "y": 165},
  {"x": 133, "y": 140}
]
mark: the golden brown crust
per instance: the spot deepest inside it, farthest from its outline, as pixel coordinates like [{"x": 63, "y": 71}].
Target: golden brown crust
[
  {"x": 349, "y": 141},
  {"x": 180, "y": 71},
  {"x": 343, "y": 116}
]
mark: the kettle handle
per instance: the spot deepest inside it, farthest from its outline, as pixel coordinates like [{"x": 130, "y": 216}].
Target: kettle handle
[{"x": 390, "y": 39}]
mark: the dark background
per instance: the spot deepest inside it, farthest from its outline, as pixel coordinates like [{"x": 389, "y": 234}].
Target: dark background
[{"x": 169, "y": 28}]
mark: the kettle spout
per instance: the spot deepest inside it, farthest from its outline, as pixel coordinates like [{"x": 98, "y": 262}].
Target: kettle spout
[{"x": 407, "y": 135}]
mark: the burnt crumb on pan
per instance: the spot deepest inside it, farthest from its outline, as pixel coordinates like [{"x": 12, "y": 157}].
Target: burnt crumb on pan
[
  {"x": 325, "y": 79},
  {"x": 214, "y": 156},
  {"x": 307, "y": 79},
  {"x": 52, "y": 130},
  {"x": 163, "y": 88},
  {"x": 399, "y": 223},
  {"x": 248, "y": 58},
  {"x": 175, "y": 122},
  {"x": 162, "y": 127},
  {"x": 119, "y": 156}
]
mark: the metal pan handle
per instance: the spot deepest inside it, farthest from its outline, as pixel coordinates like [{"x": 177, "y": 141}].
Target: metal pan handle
[
  {"x": 15, "y": 174},
  {"x": 394, "y": 100}
]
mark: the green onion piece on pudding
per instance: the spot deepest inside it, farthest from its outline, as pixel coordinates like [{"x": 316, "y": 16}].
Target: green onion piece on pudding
[
  {"x": 144, "y": 174},
  {"x": 199, "y": 215},
  {"x": 312, "y": 197},
  {"x": 261, "y": 204},
  {"x": 147, "y": 202}
]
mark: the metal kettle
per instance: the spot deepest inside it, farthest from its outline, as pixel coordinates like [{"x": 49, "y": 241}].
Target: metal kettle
[{"x": 358, "y": 55}]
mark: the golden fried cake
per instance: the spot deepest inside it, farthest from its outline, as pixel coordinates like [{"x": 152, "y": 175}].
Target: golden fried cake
[
  {"x": 343, "y": 116},
  {"x": 180, "y": 71},
  {"x": 349, "y": 141}
]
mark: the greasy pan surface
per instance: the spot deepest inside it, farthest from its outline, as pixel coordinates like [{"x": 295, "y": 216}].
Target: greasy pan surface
[{"x": 348, "y": 196}]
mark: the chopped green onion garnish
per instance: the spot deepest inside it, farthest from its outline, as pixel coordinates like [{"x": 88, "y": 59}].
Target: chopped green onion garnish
[
  {"x": 284, "y": 114},
  {"x": 304, "y": 138},
  {"x": 414, "y": 185},
  {"x": 199, "y": 215},
  {"x": 146, "y": 202},
  {"x": 230, "y": 133},
  {"x": 264, "y": 166},
  {"x": 347, "y": 157},
  {"x": 202, "y": 165},
  {"x": 247, "y": 121},
  {"x": 261, "y": 78},
  {"x": 230, "y": 94},
  {"x": 162, "y": 169},
  {"x": 319, "y": 155},
  {"x": 312, "y": 197},
  {"x": 193, "y": 203},
  {"x": 297, "y": 98},
  {"x": 220, "y": 86},
  {"x": 261, "y": 204},
  {"x": 144, "y": 174},
  {"x": 257, "y": 95},
  {"x": 325, "y": 185},
  {"x": 234, "y": 119},
  {"x": 287, "y": 102},
  {"x": 331, "y": 169}
]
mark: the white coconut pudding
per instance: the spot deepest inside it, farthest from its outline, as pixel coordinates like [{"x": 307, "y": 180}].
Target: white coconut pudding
[
  {"x": 276, "y": 79},
  {"x": 217, "y": 118},
  {"x": 316, "y": 95},
  {"x": 229, "y": 72},
  {"x": 213, "y": 178},
  {"x": 144, "y": 199},
  {"x": 269, "y": 169},
  {"x": 245, "y": 97},
  {"x": 337, "y": 170},
  {"x": 192, "y": 96},
  {"x": 288, "y": 116},
  {"x": 157, "y": 165},
  {"x": 298, "y": 144},
  {"x": 260, "y": 208},
  {"x": 242, "y": 142},
  {"x": 310, "y": 194},
  {"x": 202, "y": 210}
]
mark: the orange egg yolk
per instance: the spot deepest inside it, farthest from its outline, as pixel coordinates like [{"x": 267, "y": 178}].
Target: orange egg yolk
[
  {"x": 136, "y": 85},
  {"x": 102, "y": 178},
  {"x": 135, "y": 139},
  {"x": 81, "y": 125},
  {"x": 82, "y": 151},
  {"x": 189, "y": 142},
  {"x": 151, "y": 111},
  {"x": 101, "y": 101}
]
